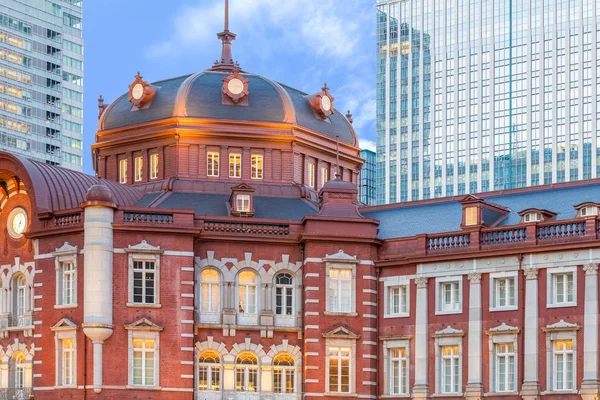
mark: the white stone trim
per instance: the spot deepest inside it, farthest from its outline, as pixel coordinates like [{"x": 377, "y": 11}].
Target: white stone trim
[
  {"x": 144, "y": 252},
  {"x": 438, "y": 295},
  {"x": 387, "y": 346},
  {"x": 492, "y": 289},
  {"x": 560, "y": 331},
  {"x": 550, "y": 273},
  {"x": 66, "y": 254}
]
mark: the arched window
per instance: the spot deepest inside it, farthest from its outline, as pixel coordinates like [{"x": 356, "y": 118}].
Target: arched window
[
  {"x": 20, "y": 371},
  {"x": 246, "y": 373},
  {"x": 284, "y": 374},
  {"x": 248, "y": 295},
  {"x": 209, "y": 371},
  {"x": 284, "y": 294},
  {"x": 209, "y": 291}
]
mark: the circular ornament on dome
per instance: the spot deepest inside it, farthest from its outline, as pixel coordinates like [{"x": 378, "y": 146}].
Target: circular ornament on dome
[
  {"x": 141, "y": 92},
  {"x": 326, "y": 103},
  {"x": 138, "y": 91},
  {"x": 17, "y": 222},
  {"x": 235, "y": 86}
]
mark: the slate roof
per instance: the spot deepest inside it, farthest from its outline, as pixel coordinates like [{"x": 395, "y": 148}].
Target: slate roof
[
  {"x": 215, "y": 205},
  {"x": 445, "y": 215},
  {"x": 266, "y": 103}
]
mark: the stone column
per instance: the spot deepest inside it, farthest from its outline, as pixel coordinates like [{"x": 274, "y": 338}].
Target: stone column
[
  {"x": 421, "y": 388},
  {"x": 590, "y": 385},
  {"x": 474, "y": 389},
  {"x": 531, "y": 387}
]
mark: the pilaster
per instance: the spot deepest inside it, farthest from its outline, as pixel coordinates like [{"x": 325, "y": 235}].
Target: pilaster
[
  {"x": 474, "y": 389},
  {"x": 421, "y": 388},
  {"x": 590, "y": 385},
  {"x": 531, "y": 387}
]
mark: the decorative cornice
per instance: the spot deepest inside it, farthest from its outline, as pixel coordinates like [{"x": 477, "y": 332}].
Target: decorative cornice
[
  {"x": 65, "y": 249},
  {"x": 449, "y": 331},
  {"x": 340, "y": 256},
  {"x": 474, "y": 278},
  {"x": 143, "y": 247},
  {"x": 591, "y": 269},
  {"x": 531, "y": 273},
  {"x": 341, "y": 333},
  {"x": 561, "y": 326},
  {"x": 421, "y": 283},
  {"x": 64, "y": 324},
  {"x": 143, "y": 324},
  {"x": 503, "y": 329}
]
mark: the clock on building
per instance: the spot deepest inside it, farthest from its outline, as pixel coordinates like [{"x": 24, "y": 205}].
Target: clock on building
[
  {"x": 141, "y": 92},
  {"x": 17, "y": 222},
  {"x": 235, "y": 86}
]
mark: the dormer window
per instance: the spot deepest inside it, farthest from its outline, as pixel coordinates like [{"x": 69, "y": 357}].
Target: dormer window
[
  {"x": 532, "y": 217},
  {"x": 587, "y": 209},
  {"x": 242, "y": 204},
  {"x": 536, "y": 215},
  {"x": 471, "y": 217}
]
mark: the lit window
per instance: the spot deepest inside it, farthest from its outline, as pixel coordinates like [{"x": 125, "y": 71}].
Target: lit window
[
  {"x": 153, "y": 166},
  {"x": 471, "y": 216},
  {"x": 339, "y": 364},
  {"x": 257, "y": 166},
  {"x": 311, "y": 175},
  {"x": 504, "y": 292},
  {"x": 398, "y": 300},
  {"x": 139, "y": 168},
  {"x": 143, "y": 362},
  {"x": 144, "y": 275},
  {"x": 209, "y": 291},
  {"x": 19, "y": 363},
  {"x": 246, "y": 373},
  {"x": 235, "y": 165},
  {"x": 68, "y": 359},
  {"x": 450, "y": 369},
  {"x": 398, "y": 371},
  {"x": 242, "y": 203},
  {"x": 505, "y": 367},
  {"x": 284, "y": 294},
  {"x": 212, "y": 164},
  {"x": 563, "y": 364},
  {"x": 209, "y": 371},
  {"x": 284, "y": 374},
  {"x": 324, "y": 175},
  {"x": 449, "y": 296},
  {"x": 248, "y": 295},
  {"x": 65, "y": 333},
  {"x": 563, "y": 288},
  {"x": 340, "y": 290},
  {"x": 123, "y": 171}
]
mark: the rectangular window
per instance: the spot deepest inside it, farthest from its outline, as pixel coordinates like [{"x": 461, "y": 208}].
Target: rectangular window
[
  {"x": 68, "y": 359},
  {"x": 143, "y": 282},
  {"x": 139, "y": 168},
  {"x": 339, "y": 369},
  {"x": 212, "y": 164},
  {"x": 340, "y": 290},
  {"x": 284, "y": 300},
  {"x": 450, "y": 296},
  {"x": 257, "y": 166},
  {"x": 123, "y": 171},
  {"x": 504, "y": 292},
  {"x": 562, "y": 288},
  {"x": 71, "y": 21},
  {"x": 235, "y": 165},
  {"x": 505, "y": 367},
  {"x": 471, "y": 216},
  {"x": 563, "y": 365},
  {"x": 398, "y": 300},
  {"x": 68, "y": 284},
  {"x": 398, "y": 369},
  {"x": 143, "y": 362},
  {"x": 324, "y": 175},
  {"x": 450, "y": 369},
  {"x": 243, "y": 203},
  {"x": 311, "y": 175},
  {"x": 153, "y": 166}
]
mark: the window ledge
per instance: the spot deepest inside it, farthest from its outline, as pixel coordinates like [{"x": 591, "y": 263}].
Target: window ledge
[
  {"x": 395, "y": 396},
  {"x": 558, "y": 392},
  {"x": 396, "y": 315},
  {"x": 448, "y": 312},
  {"x": 66, "y": 387},
  {"x": 447, "y": 395},
  {"x": 500, "y": 394},
  {"x": 340, "y": 394},
  {"x": 65, "y": 306},
  {"x": 561, "y": 305},
  {"x": 141, "y": 387},
  {"x": 342, "y": 314},
  {"x": 142, "y": 305},
  {"x": 511, "y": 308}
]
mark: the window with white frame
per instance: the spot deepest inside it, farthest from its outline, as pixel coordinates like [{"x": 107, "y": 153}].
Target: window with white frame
[
  {"x": 284, "y": 294},
  {"x": 235, "y": 165},
  {"x": 339, "y": 366},
  {"x": 284, "y": 374},
  {"x": 212, "y": 163},
  {"x": 398, "y": 372},
  {"x": 19, "y": 368},
  {"x": 123, "y": 171},
  {"x": 67, "y": 283},
  {"x": 246, "y": 373},
  {"x": 210, "y": 296},
  {"x": 503, "y": 287},
  {"x": 450, "y": 369},
  {"x": 144, "y": 362},
  {"x": 66, "y": 276},
  {"x": 153, "y": 166},
  {"x": 398, "y": 300},
  {"x": 209, "y": 371},
  {"x": 505, "y": 367},
  {"x": 340, "y": 290},
  {"x": 144, "y": 279},
  {"x": 311, "y": 175},
  {"x": 139, "y": 168},
  {"x": 449, "y": 295},
  {"x": 65, "y": 333},
  {"x": 562, "y": 288},
  {"x": 68, "y": 359},
  {"x": 144, "y": 275},
  {"x": 242, "y": 203},
  {"x": 257, "y": 166},
  {"x": 563, "y": 364},
  {"x": 247, "y": 292}
]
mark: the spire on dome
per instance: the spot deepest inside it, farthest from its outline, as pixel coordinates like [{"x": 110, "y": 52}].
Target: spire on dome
[{"x": 226, "y": 63}]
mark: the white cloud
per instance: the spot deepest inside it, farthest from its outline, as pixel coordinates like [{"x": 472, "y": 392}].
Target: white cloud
[{"x": 366, "y": 144}]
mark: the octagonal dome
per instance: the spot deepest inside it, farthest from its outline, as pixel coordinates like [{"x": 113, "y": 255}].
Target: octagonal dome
[{"x": 199, "y": 95}]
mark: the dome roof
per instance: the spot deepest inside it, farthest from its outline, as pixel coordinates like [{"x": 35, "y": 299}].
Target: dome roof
[{"x": 200, "y": 96}]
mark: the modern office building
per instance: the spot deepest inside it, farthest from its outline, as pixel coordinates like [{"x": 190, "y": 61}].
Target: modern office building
[
  {"x": 481, "y": 95},
  {"x": 367, "y": 179},
  {"x": 41, "y": 80}
]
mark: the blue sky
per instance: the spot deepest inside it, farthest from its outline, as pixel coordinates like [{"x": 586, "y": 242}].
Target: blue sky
[{"x": 302, "y": 43}]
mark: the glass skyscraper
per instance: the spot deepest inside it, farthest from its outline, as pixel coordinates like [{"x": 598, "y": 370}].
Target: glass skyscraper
[
  {"x": 483, "y": 95},
  {"x": 41, "y": 80},
  {"x": 367, "y": 178}
]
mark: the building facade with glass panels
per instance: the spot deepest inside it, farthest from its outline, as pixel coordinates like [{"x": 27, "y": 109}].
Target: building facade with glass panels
[
  {"x": 41, "y": 80},
  {"x": 367, "y": 178},
  {"x": 483, "y": 95}
]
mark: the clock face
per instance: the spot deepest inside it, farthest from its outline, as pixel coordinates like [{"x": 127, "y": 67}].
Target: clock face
[
  {"x": 17, "y": 222},
  {"x": 138, "y": 91},
  {"x": 326, "y": 103},
  {"x": 235, "y": 86}
]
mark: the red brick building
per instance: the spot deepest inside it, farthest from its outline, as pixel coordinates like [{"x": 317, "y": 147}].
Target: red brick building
[{"x": 217, "y": 254}]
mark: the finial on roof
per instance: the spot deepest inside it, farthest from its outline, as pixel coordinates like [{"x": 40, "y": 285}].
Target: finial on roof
[
  {"x": 337, "y": 157},
  {"x": 349, "y": 117},
  {"x": 101, "y": 106},
  {"x": 226, "y": 63}
]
